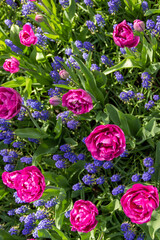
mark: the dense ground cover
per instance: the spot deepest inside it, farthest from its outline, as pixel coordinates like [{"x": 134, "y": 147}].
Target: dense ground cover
[{"x": 79, "y": 119}]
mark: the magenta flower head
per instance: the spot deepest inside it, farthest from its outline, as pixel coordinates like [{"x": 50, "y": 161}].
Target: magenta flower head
[
  {"x": 123, "y": 36},
  {"x": 10, "y": 103},
  {"x": 106, "y": 142},
  {"x": 8, "y": 178},
  {"x": 82, "y": 216},
  {"x": 138, "y": 25},
  {"x": 39, "y": 18},
  {"x": 11, "y": 65},
  {"x": 27, "y": 36},
  {"x": 63, "y": 74},
  {"x": 55, "y": 101},
  {"x": 78, "y": 101},
  {"x": 139, "y": 202},
  {"x": 29, "y": 183}
]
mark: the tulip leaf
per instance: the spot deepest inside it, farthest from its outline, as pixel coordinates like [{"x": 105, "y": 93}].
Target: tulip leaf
[
  {"x": 126, "y": 63},
  {"x": 29, "y": 133}
]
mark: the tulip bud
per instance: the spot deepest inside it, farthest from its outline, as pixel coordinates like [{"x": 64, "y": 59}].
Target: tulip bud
[
  {"x": 54, "y": 101},
  {"x": 138, "y": 25},
  {"x": 39, "y": 18},
  {"x": 63, "y": 74}
]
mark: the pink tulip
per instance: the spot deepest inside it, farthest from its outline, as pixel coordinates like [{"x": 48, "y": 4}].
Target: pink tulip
[
  {"x": 123, "y": 36},
  {"x": 106, "y": 142},
  {"x": 11, "y": 65},
  {"x": 27, "y": 36}
]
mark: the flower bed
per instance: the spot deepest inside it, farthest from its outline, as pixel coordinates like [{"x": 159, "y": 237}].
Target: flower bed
[{"x": 79, "y": 120}]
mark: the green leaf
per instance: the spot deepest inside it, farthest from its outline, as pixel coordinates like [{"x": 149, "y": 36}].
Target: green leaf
[
  {"x": 28, "y": 88},
  {"x": 19, "y": 81},
  {"x": 144, "y": 55},
  {"x": 85, "y": 236},
  {"x": 91, "y": 85},
  {"x": 101, "y": 78},
  {"x": 42, "y": 8},
  {"x": 47, "y": 147},
  {"x": 54, "y": 10},
  {"x": 6, "y": 236},
  {"x": 112, "y": 206},
  {"x": 126, "y": 63},
  {"x": 60, "y": 181},
  {"x": 148, "y": 131},
  {"x": 113, "y": 114},
  {"x": 14, "y": 36},
  {"x": 129, "y": 123},
  {"x": 3, "y": 193},
  {"x": 29, "y": 133},
  {"x": 59, "y": 213},
  {"x": 52, "y": 36},
  {"x": 133, "y": 123},
  {"x": 153, "y": 224},
  {"x": 153, "y": 68},
  {"x": 157, "y": 165},
  {"x": 63, "y": 86},
  {"x": 47, "y": 5},
  {"x": 58, "y": 128},
  {"x": 73, "y": 170},
  {"x": 71, "y": 142},
  {"x": 50, "y": 192},
  {"x": 43, "y": 233},
  {"x": 60, "y": 233},
  {"x": 152, "y": 11},
  {"x": 71, "y": 10}
]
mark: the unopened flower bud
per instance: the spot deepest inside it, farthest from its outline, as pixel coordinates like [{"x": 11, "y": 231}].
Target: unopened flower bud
[
  {"x": 138, "y": 25},
  {"x": 54, "y": 101},
  {"x": 63, "y": 74},
  {"x": 39, "y": 18}
]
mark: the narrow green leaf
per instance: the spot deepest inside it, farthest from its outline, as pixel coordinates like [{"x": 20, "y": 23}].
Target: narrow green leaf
[
  {"x": 42, "y": 8},
  {"x": 54, "y": 10},
  {"x": 52, "y": 36},
  {"x": 91, "y": 86},
  {"x": 71, "y": 9},
  {"x": 63, "y": 86},
  {"x": 44, "y": 233},
  {"x": 6, "y": 236},
  {"x": 60, "y": 233},
  {"x": 58, "y": 128},
  {"x": 19, "y": 81},
  {"x": 112, "y": 206},
  {"x": 152, "y": 11},
  {"x": 157, "y": 165},
  {"x": 126, "y": 63}
]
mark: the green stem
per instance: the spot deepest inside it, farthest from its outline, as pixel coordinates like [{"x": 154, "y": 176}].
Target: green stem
[{"x": 33, "y": 120}]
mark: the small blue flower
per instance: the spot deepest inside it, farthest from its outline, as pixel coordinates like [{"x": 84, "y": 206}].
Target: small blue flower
[
  {"x": 148, "y": 162},
  {"x": 146, "y": 176},
  {"x": 136, "y": 178},
  {"x": 77, "y": 186}
]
